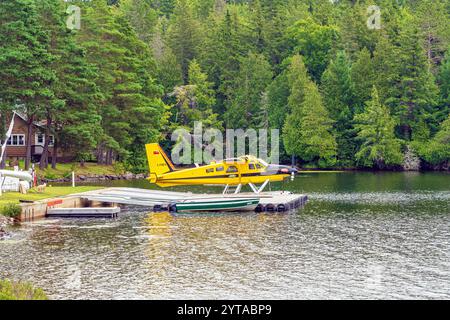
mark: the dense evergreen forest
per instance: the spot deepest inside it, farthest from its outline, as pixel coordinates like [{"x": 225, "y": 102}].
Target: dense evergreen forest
[{"x": 346, "y": 88}]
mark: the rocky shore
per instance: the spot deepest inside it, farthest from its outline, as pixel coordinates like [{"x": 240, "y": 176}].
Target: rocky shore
[
  {"x": 4, "y": 222},
  {"x": 97, "y": 178}
]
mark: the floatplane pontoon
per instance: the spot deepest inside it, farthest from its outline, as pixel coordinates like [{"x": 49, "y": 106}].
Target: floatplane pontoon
[{"x": 231, "y": 173}]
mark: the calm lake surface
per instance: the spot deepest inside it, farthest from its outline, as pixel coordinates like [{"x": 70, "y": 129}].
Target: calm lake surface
[{"x": 360, "y": 236}]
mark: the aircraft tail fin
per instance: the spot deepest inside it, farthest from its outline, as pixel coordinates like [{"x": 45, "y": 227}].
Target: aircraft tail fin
[{"x": 158, "y": 161}]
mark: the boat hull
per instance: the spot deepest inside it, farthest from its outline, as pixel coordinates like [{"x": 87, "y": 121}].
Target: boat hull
[{"x": 218, "y": 205}]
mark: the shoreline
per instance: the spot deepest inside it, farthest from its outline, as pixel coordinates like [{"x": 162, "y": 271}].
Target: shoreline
[
  {"x": 97, "y": 178},
  {"x": 5, "y": 222},
  {"x": 140, "y": 176}
]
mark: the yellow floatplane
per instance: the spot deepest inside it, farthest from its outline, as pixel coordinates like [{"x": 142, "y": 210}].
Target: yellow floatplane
[{"x": 235, "y": 172}]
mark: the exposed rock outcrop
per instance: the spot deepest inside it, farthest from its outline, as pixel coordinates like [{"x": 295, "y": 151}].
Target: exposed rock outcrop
[
  {"x": 4, "y": 222},
  {"x": 411, "y": 161}
]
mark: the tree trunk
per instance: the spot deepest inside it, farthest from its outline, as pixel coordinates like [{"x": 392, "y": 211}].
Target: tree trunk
[
  {"x": 108, "y": 155},
  {"x": 55, "y": 152},
  {"x": 3, "y": 126},
  {"x": 100, "y": 157},
  {"x": 28, "y": 142},
  {"x": 3, "y": 162}
]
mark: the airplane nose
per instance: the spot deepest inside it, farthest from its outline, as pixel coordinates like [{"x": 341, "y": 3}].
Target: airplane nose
[
  {"x": 282, "y": 169},
  {"x": 291, "y": 170}
]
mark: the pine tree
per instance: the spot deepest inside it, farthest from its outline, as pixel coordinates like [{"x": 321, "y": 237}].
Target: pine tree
[
  {"x": 76, "y": 94},
  {"x": 339, "y": 98},
  {"x": 434, "y": 23},
  {"x": 184, "y": 35},
  {"x": 444, "y": 82},
  {"x": 379, "y": 146},
  {"x": 141, "y": 16},
  {"x": 258, "y": 26},
  {"x": 277, "y": 95},
  {"x": 169, "y": 71},
  {"x": 363, "y": 78},
  {"x": 285, "y": 92},
  {"x": 354, "y": 34},
  {"x": 164, "y": 7},
  {"x": 276, "y": 44},
  {"x": 221, "y": 55},
  {"x": 25, "y": 74},
  {"x": 254, "y": 77},
  {"x": 298, "y": 78},
  {"x": 262, "y": 117},
  {"x": 131, "y": 110},
  {"x": 385, "y": 64},
  {"x": 406, "y": 84},
  {"x": 414, "y": 93},
  {"x": 307, "y": 131}
]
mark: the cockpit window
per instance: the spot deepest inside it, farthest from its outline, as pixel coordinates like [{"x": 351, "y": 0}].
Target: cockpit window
[
  {"x": 232, "y": 169},
  {"x": 251, "y": 166},
  {"x": 258, "y": 166}
]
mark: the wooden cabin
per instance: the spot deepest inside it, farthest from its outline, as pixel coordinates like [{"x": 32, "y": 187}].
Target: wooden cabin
[{"x": 16, "y": 148}]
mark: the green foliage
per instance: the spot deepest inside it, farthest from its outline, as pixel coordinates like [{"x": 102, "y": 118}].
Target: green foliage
[
  {"x": 444, "y": 81},
  {"x": 363, "y": 77},
  {"x": 50, "y": 176},
  {"x": 307, "y": 131},
  {"x": 138, "y": 69},
  {"x": 407, "y": 82},
  {"x": 379, "y": 147},
  {"x": 253, "y": 78},
  {"x": 339, "y": 98},
  {"x": 26, "y": 76},
  {"x": 119, "y": 168},
  {"x": 437, "y": 151},
  {"x": 141, "y": 16},
  {"x": 314, "y": 41},
  {"x": 12, "y": 290},
  {"x": 194, "y": 101},
  {"x": 11, "y": 210},
  {"x": 131, "y": 110},
  {"x": 184, "y": 34},
  {"x": 278, "y": 93}
]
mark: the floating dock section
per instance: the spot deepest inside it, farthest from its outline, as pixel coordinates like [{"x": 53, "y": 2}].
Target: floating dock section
[
  {"x": 279, "y": 201},
  {"x": 96, "y": 212}
]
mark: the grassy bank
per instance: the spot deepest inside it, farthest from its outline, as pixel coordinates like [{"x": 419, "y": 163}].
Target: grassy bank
[
  {"x": 12, "y": 290},
  {"x": 64, "y": 170},
  {"x": 50, "y": 192}
]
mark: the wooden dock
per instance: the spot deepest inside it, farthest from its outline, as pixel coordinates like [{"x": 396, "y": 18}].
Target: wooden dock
[{"x": 95, "y": 212}]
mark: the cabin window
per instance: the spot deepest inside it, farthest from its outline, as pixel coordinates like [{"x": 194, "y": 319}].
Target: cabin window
[
  {"x": 258, "y": 166},
  {"x": 40, "y": 139},
  {"x": 210, "y": 170},
  {"x": 251, "y": 166},
  {"x": 232, "y": 169},
  {"x": 219, "y": 169},
  {"x": 16, "y": 140}
]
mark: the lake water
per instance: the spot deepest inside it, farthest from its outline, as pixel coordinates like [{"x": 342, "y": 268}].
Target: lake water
[{"x": 360, "y": 236}]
